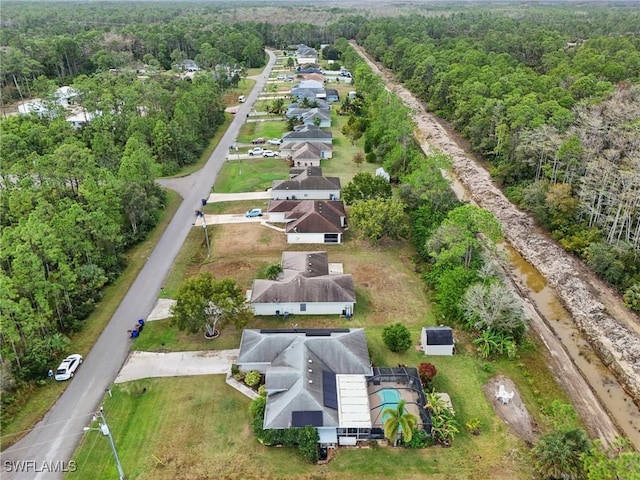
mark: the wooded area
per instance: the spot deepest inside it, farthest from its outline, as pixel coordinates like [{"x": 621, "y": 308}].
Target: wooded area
[
  {"x": 552, "y": 104},
  {"x": 75, "y": 198}
]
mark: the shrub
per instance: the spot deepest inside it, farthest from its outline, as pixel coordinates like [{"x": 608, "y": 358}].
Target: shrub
[
  {"x": 397, "y": 337},
  {"x": 235, "y": 369},
  {"x": 308, "y": 443},
  {"x": 473, "y": 426},
  {"x": 420, "y": 439},
  {"x": 252, "y": 378},
  {"x": 427, "y": 372}
]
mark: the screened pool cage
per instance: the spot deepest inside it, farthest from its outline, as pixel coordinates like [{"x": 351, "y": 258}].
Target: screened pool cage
[{"x": 387, "y": 386}]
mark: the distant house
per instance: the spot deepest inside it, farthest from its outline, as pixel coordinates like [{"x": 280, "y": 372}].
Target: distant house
[
  {"x": 437, "y": 341},
  {"x": 80, "y": 118},
  {"x": 310, "y": 221},
  {"x": 188, "y": 66},
  {"x": 332, "y": 95},
  {"x": 309, "y": 69},
  {"x": 37, "y": 106},
  {"x": 305, "y": 286},
  {"x": 308, "y": 185},
  {"x": 311, "y": 116},
  {"x": 318, "y": 77},
  {"x": 65, "y": 96},
  {"x": 298, "y": 170},
  {"x": 298, "y": 107},
  {"x": 309, "y": 89},
  {"x": 310, "y": 133},
  {"x": 305, "y": 54}
]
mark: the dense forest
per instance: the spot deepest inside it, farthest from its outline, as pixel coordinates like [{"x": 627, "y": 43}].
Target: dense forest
[
  {"x": 553, "y": 103},
  {"x": 75, "y": 198},
  {"x": 549, "y": 96}
]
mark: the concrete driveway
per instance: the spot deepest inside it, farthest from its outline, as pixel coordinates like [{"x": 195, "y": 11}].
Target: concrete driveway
[{"x": 174, "y": 364}]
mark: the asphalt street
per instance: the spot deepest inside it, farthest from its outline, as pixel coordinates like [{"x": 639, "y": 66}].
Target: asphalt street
[{"x": 56, "y": 436}]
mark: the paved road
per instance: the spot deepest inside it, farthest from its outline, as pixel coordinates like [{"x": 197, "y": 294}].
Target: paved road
[{"x": 56, "y": 436}]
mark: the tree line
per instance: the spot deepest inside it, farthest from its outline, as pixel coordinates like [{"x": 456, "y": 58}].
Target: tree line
[
  {"x": 74, "y": 200},
  {"x": 456, "y": 246},
  {"x": 552, "y": 105}
]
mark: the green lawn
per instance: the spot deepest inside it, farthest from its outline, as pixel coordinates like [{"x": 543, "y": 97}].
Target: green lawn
[
  {"x": 266, "y": 130},
  {"x": 198, "y": 427},
  {"x": 250, "y": 175}
]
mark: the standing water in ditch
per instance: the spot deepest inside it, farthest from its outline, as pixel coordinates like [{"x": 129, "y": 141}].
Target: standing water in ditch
[
  {"x": 602, "y": 381},
  {"x": 623, "y": 411}
]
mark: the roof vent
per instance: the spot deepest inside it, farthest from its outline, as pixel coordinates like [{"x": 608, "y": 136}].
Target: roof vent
[
  {"x": 310, "y": 370},
  {"x": 310, "y": 381},
  {"x": 310, "y": 361}
]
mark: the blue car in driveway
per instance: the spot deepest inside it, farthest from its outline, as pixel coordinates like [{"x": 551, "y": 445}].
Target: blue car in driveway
[{"x": 254, "y": 212}]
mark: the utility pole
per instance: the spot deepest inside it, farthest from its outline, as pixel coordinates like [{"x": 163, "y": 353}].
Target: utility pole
[{"x": 104, "y": 428}]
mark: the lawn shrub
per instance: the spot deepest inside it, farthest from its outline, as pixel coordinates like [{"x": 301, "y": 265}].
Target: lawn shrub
[
  {"x": 427, "y": 372},
  {"x": 397, "y": 337},
  {"x": 252, "y": 378},
  {"x": 420, "y": 439}
]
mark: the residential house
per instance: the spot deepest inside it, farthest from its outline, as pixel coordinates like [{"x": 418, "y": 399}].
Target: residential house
[
  {"x": 311, "y": 116},
  {"x": 437, "y": 341},
  {"x": 80, "y": 117},
  {"x": 305, "y": 286},
  {"x": 324, "y": 378},
  {"x": 188, "y": 65},
  {"x": 306, "y": 154},
  {"x": 310, "y": 133},
  {"x": 299, "y": 107},
  {"x": 310, "y": 221},
  {"x": 332, "y": 95},
  {"x": 65, "y": 96},
  {"x": 305, "y": 54},
  {"x": 317, "y": 77},
  {"x": 308, "y": 185},
  {"x": 381, "y": 172},
  {"x": 309, "y": 69}
]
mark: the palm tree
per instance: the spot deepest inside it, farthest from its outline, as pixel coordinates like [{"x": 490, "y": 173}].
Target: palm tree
[
  {"x": 557, "y": 454},
  {"x": 399, "y": 422}
]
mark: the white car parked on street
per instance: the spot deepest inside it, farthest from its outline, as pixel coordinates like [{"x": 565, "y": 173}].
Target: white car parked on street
[
  {"x": 269, "y": 153},
  {"x": 68, "y": 366}
]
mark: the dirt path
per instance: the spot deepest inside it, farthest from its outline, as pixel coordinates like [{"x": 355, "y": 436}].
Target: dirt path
[{"x": 612, "y": 330}]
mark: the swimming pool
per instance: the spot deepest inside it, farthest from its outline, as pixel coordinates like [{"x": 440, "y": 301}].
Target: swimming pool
[{"x": 389, "y": 398}]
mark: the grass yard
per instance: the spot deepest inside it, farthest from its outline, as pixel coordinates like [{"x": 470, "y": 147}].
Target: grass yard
[
  {"x": 267, "y": 129},
  {"x": 250, "y": 175},
  {"x": 198, "y": 427}
]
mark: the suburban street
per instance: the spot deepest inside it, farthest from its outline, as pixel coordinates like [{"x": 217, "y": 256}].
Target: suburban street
[{"x": 56, "y": 436}]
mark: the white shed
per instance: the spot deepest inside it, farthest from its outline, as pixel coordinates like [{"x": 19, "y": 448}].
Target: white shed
[{"x": 437, "y": 341}]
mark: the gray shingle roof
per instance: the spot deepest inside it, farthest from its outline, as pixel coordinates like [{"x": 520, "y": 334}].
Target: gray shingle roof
[
  {"x": 309, "y": 132},
  {"x": 301, "y": 289},
  {"x": 297, "y": 362},
  {"x": 304, "y": 181}
]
